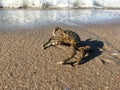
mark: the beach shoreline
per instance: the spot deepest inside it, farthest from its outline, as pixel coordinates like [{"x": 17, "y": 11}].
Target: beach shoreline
[{"x": 25, "y": 65}]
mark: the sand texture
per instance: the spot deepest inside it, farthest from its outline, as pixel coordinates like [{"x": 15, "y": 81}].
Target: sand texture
[{"x": 25, "y": 66}]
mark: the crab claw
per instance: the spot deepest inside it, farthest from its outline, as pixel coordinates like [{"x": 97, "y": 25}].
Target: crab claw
[{"x": 55, "y": 30}]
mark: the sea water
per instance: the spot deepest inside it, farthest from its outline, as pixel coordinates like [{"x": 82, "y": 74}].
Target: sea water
[
  {"x": 37, "y": 15},
  {"x": 35, "y": 18}
]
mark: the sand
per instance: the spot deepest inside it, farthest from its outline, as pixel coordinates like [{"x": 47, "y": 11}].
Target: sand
[{"x": 24, "y": 65}]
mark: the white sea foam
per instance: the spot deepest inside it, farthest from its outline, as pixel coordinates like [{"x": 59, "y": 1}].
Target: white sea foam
[{"x": 60, "y": 3}]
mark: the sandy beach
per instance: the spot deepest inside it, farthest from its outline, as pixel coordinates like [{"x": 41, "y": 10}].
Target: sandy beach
[{"x": 24, "y": 65}]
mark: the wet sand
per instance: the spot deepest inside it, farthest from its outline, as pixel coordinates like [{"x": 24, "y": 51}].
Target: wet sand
[{"x": 24, "y": 65}]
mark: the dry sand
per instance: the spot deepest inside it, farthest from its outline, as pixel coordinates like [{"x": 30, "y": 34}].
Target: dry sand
[{"x": 25, "y": 66}]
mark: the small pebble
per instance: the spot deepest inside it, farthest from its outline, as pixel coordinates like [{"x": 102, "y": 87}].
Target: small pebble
[
  {"x": 67, "y": 88},
  {"x": 114, "y": 54}
]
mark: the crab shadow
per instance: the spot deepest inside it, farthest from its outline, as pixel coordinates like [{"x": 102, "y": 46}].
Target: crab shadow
[{"x": 95, "y": 49}]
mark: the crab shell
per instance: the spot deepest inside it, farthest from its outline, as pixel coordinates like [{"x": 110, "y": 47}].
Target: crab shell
[{"x": 72, "y": 37}]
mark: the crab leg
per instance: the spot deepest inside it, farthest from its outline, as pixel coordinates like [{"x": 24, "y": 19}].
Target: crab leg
[
  {"x": 73, "y": 53},
  {"x": 82, "y": 52},
  {"x": 52, "y": 44}
]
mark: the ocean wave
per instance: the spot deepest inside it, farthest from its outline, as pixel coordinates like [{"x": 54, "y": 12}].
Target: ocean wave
[{"x": 60, "y": 3}]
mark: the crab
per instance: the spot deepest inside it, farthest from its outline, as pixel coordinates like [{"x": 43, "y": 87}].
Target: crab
[
  {"x": 69, "y": 38},
  {"x": 66, "y": 37}
]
